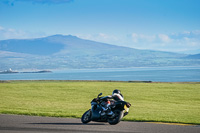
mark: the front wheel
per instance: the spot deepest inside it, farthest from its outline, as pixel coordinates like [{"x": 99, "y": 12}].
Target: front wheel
[
  {"x": 117, "y": 117},
  {"x": 86, "y": 117}
]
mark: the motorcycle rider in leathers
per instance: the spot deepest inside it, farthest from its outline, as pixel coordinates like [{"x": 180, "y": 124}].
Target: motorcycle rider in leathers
[{"x": 116, "y": 96}]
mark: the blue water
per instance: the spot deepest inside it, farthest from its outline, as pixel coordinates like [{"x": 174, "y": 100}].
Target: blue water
[{"x": 160, "y": 74}]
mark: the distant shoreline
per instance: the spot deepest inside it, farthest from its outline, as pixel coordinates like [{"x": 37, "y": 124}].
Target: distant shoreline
[
  {"x": 7, "y": 81},
  {"x": 12, "y": 72},
  {"x": 187, "y": 74}
]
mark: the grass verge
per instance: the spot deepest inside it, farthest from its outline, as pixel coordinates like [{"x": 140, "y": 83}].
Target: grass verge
[{"x": 151, "y": 102}]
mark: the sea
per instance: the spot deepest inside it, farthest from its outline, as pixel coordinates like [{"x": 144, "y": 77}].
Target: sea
[{"x": 154, "y": 74}]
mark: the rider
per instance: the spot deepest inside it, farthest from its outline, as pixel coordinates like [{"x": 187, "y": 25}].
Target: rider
[{"x": 117, "y": 96}]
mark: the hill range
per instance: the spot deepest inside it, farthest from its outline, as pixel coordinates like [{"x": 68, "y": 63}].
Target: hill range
[{"x": 71, "y": 52}]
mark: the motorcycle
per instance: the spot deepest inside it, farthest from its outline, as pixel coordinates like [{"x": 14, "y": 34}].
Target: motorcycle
[{"x": 97, "y": 114}]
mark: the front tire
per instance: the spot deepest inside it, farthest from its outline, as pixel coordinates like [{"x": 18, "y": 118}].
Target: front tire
[
  {"x": 117, "y": 118},
  {"x": 86, "y": 117}
]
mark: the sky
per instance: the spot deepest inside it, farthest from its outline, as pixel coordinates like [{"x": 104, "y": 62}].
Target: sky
[{"x": 166, "y": 25}]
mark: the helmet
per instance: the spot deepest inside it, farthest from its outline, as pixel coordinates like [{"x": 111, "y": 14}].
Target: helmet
[{"x": 116, "y": 91}]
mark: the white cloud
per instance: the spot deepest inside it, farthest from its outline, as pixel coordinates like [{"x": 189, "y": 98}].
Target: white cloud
[
  {"x": 175, "y": 42},
  {"x": 141, "y": 37},
  {"x": 9, "y": 33},
  {"x": 164, "y": 38},
  {"x": 196, "y": 32},
  {"x": 100, "y": 37},
  {"x": 104, "y": 36},
  {"x": 1, "y": 28},
  {"x": 135, "y": 37}
]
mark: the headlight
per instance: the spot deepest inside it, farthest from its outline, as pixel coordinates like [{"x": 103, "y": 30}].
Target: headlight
[{"x": 126, "y": 108}]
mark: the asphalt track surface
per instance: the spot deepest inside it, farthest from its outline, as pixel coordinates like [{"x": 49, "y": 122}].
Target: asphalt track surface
[{"x": 35, "y": 124}]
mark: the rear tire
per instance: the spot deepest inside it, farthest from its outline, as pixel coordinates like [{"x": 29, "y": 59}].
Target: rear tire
[
  {"x": 86, "y": 117},
  {"x": 117, "y": 118}
]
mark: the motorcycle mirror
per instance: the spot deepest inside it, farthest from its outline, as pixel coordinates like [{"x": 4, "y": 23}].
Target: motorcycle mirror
[{"x": 100, "y": 94}]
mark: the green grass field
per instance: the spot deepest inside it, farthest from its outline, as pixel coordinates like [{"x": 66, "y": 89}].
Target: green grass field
[{"x": 156, "y": 102}]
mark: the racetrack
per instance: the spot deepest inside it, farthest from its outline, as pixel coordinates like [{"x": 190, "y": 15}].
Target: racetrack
[{"x": 35, "y": 124}]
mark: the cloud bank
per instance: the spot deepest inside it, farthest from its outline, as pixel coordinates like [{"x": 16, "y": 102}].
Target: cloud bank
[
  {"x": 175, "y": 42},
  {"x": 9, "y": 33}
]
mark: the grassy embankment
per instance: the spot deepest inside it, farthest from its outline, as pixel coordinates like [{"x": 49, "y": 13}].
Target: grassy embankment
[{"x": 160, "y": 102}]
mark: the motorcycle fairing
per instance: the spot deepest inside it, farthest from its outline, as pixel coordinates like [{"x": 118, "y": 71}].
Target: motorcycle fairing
[{"x": 95, "y": 113}]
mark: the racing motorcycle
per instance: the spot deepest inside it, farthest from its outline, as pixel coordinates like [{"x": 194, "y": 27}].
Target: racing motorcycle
[{"x": 97, "y": 114}]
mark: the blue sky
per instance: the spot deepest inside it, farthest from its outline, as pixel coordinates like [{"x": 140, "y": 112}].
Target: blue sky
[{"x": 167, "y": 25}]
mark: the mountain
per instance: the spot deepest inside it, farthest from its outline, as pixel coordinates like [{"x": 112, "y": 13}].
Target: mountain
[
  {"x": 66, "y": 52},
  {"x": 195, "y": 56},
  {"x": 192, "y": 52},
  {"x": 40, "y": 46}
]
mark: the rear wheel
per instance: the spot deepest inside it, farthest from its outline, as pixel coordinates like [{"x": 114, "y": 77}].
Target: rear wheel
[
  {"x": 117, "y": 117},
  {"x": 86, "y": 117}
]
